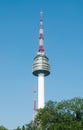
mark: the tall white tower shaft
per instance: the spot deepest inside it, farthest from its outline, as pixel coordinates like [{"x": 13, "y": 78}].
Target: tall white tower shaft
[{"x": 40, "y": 90}]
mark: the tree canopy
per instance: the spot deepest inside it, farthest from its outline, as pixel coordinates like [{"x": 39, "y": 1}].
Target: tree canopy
[
  {"x": 3, "y": 128},
  {"x": 63, "y": 115}
]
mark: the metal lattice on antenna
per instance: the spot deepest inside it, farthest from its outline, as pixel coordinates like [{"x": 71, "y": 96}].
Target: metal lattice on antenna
[
  {"x": 41, "y": 37},
  {"x": 34, "y": 108}
]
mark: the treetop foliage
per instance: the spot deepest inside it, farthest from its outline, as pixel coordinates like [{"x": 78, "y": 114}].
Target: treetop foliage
[{"x": 63, "y": 115}]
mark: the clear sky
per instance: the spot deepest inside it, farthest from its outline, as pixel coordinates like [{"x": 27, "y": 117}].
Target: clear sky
[{"x": 63, "y": 41}]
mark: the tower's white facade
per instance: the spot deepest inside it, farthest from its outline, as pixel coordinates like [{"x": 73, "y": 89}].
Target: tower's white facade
[
  {"x": 41, "y": 90},
  {"x": 41, "y": 68}
]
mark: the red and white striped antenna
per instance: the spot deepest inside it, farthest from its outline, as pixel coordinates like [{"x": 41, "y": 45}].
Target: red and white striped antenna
[
  {"x": 34, "y": 108},
  {"x": 41, "y": 37},
  {"x": 34, "y": 99}
]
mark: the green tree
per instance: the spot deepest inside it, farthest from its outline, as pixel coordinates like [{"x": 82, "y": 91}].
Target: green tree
[
  {"x": 64, "y": 115},
  {"x": 23, "y": 127},
  {"x": 3, "y": 128},
  {"x": 29, "y": 126},
  {"x": 18, "y": 128}
]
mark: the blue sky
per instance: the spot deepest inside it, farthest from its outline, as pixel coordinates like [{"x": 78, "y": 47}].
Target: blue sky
[{"x": 63, "y": 41}]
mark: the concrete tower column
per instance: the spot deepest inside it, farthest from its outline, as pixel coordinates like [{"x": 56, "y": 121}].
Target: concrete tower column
[{"x": 40, "y": 91}]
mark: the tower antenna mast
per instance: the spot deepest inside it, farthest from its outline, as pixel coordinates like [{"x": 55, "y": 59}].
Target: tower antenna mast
[{"x": 34, "y": 108}]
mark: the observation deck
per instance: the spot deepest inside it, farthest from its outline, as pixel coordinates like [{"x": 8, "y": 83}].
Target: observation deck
[{"x": 41, "y": 65}]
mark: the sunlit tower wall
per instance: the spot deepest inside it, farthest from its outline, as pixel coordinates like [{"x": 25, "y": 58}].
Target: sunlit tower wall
[{"x": 41, "y": 67}]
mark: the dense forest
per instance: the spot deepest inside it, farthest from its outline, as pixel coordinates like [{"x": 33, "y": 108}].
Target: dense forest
[{"x": 63, "y": 115}]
